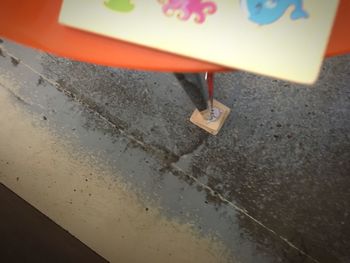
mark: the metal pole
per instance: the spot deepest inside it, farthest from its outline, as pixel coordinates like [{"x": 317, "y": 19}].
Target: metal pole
[
  {"x": 200, "y": 89},
  {"x": 196, "y": 88},
  {"x": 214, "y": 113}
]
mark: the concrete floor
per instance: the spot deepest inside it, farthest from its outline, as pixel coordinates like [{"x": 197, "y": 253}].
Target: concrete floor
[{"x": 273, "y": 186}]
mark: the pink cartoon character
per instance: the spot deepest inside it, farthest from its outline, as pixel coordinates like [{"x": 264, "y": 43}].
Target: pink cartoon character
[{"x": 186, "y": 8}]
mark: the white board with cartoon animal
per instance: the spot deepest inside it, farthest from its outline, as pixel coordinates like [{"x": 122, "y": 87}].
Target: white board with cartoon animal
[{"x": 279, "y": 38}]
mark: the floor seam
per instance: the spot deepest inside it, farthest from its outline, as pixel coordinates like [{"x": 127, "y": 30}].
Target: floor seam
[{"x": 242, "y": 211}]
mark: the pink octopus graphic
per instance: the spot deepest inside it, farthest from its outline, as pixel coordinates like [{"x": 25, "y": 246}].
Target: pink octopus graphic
[{"x": 187, "y": 8}]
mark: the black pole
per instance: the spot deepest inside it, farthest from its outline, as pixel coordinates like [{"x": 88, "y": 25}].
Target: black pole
[{"x": 195, "y": 87}]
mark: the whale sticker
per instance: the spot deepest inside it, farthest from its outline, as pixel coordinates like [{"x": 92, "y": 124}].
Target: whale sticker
[{"x": 264, "y": 12}]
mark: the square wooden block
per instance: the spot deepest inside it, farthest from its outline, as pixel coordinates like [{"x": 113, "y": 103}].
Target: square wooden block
[{"x": 212, "y": 127}]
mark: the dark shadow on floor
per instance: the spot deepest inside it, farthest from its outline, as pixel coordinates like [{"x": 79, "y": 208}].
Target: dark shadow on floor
[{"x": 26, "y": 235}]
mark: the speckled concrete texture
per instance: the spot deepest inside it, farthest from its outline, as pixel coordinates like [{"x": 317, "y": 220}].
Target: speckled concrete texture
[{"x": 282, "y": 157}]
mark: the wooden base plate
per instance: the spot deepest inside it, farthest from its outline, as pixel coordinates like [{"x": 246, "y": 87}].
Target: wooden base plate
[{"x": 212, "y": 127}]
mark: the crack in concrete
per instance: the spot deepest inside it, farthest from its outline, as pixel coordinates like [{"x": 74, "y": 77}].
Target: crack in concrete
[
  {"x": 241, "y": 210},
  {"x": 202, "y": 140},
  {"x": 169, "y": 158},
  {"x": 13, "y": 94},
  {"x": 2, "y": 52},
  {"x": 160, "y": 152}
]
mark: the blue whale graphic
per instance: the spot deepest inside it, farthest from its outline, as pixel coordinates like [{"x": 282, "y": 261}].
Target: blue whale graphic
[{"x": 265, "y": 12}]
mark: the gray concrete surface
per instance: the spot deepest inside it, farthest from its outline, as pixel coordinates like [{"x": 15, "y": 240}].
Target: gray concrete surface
[{"x": 273, "y": 185}]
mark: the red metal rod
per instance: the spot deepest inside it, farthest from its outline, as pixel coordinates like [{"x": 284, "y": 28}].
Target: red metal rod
[{"x": 210, "y": 81}]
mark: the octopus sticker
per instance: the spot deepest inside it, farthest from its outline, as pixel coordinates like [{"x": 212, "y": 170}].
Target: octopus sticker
[
  {"x": 264, "y": 12},
  {"x": 119, "y": 5},
  {"x": 186, "y": 8}
]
